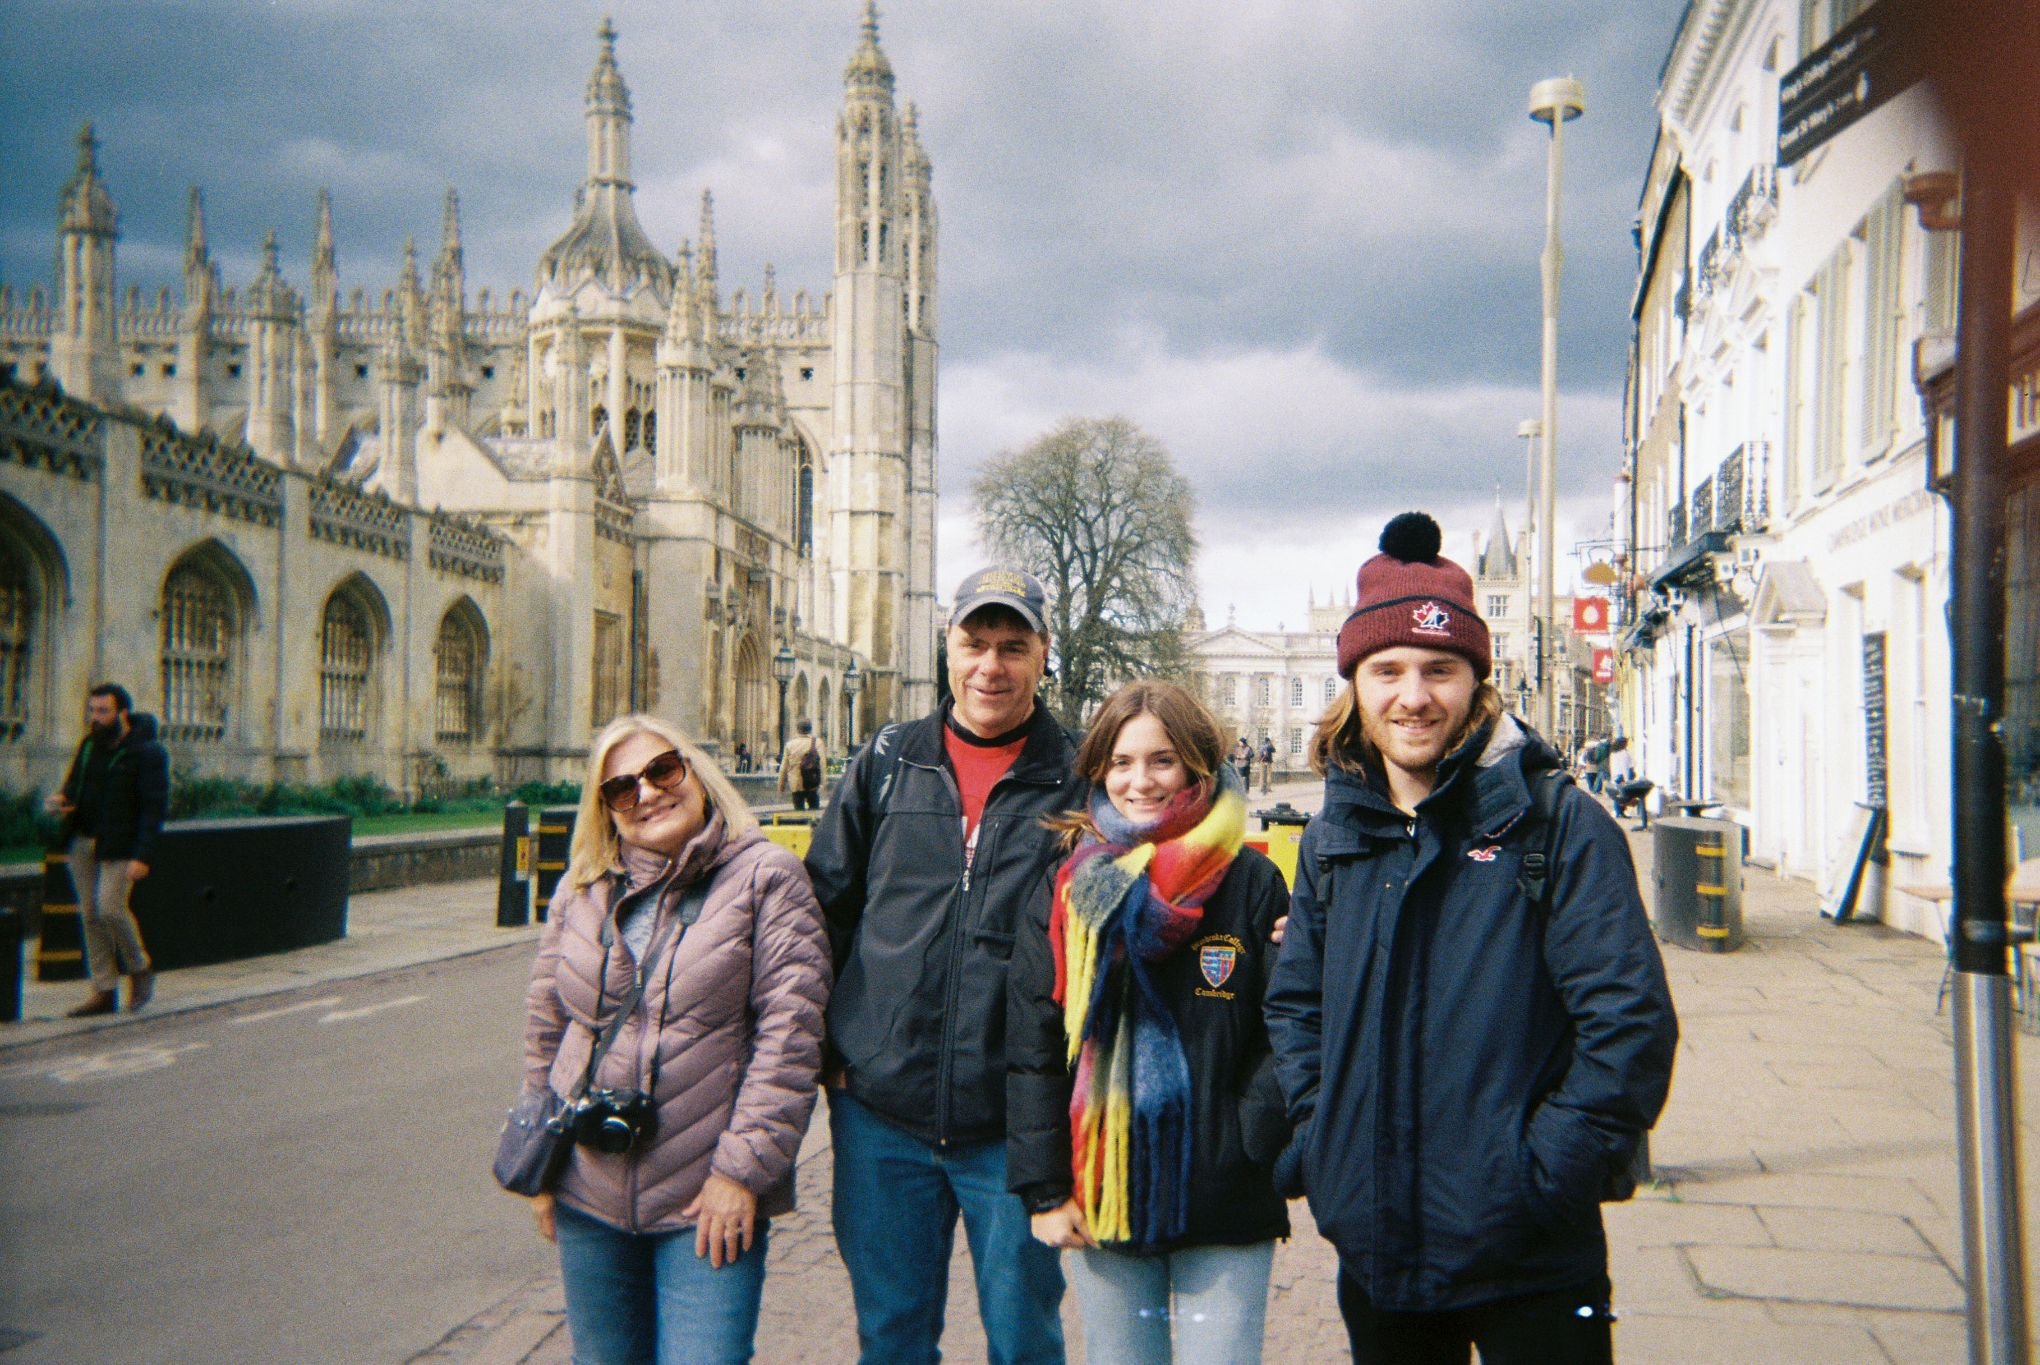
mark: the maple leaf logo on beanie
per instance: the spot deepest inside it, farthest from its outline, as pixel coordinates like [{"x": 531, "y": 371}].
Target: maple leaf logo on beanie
[{"x": 1409, "y": 595}]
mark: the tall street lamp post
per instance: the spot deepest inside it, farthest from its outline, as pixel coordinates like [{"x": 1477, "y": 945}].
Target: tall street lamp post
[
  {"x": 1554, "y": 102},
  {"x": 852, "y": 680},
  {"x": 1527, "y": 431},
  {"x": 782, "y": 670}
]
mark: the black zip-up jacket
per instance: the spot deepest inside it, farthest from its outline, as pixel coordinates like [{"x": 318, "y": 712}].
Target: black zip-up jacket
[
  {"x": 1466, "y": 1074},
  {"x": 135, "y": 796},
  {"x": 918, "y": 1014},
  {"x": 1237, "y": 1124}
]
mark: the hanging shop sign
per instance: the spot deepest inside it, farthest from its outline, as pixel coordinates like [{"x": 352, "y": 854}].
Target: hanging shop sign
[
  {"x": 1590, "y": 616},
  {"x": 1869, "y": 61}
]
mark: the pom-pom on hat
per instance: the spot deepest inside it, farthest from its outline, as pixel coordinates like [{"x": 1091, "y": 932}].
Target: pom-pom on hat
[{"x": 1410, "y": 596}]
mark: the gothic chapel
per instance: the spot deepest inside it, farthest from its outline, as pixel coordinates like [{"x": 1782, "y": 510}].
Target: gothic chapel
[{"x": 416, "y": 535}]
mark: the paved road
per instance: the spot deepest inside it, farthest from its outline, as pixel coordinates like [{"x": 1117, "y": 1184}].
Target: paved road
[{"x": 303, "y": 1177}]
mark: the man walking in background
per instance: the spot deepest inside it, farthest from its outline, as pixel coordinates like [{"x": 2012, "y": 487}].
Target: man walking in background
[
  {"x": 801, "y": 766},
  {"x": 113, "y": 802}
]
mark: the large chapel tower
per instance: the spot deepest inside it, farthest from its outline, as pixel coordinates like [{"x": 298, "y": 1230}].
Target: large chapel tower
[{"x": 883, "y": 345}]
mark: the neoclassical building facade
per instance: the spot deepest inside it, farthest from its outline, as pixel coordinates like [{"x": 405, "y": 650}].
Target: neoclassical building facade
[{"x": 419, "y": 533}]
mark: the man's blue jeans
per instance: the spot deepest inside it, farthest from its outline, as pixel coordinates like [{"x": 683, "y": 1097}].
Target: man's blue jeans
[
  {"x": 644, "y": 1297},
  {"x": 895, "y": 1208}
]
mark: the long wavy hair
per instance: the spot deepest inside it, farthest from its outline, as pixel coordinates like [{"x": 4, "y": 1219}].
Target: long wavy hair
[
  {"x": 1192, "y": 730},
  {"x": 1340, "y": 740},
  {"x": 596, "y": 852}
]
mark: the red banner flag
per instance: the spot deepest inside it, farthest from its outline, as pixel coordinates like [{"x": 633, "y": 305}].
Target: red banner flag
[
  {"x": 1590, "y": 615},
  {"x": 1604, "y": 666}
]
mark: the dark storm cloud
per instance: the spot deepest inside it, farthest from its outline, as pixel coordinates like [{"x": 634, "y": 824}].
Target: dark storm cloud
[{"x": 1297, "y": 239}]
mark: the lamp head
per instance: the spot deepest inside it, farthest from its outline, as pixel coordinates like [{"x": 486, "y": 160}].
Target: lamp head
[{"x": 1561, "y": 97}]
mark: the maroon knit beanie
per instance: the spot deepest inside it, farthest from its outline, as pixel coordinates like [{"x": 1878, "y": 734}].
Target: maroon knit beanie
[{"x": 1409, "y": 596}]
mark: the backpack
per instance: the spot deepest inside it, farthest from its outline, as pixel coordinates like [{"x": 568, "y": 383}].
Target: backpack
[
  {"x": 1535, "y": 833},
  {"x": 811, "y": 768}
]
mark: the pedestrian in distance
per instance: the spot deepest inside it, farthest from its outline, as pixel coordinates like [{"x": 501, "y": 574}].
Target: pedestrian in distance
[
  {"x": 1469, "y": 1013},
  {"x": 1143, "y": 1112},
  {"x": 1243, "y": 762},
  {"x": 111, "y": 808},
  {"x": 1267, "y": 757},
  {"x": 743, "y": 757},
  {"x": 800, "y": 767},
  {"x": 931, "y": 858},
  {"x": 686, "y": 1142}
]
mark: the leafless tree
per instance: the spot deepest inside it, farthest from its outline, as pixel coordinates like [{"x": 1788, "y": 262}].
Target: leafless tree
[{"x": 1097, "y": 511}]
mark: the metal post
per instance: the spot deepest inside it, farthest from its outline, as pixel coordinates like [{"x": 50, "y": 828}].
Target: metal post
[
  {"x": 1553, "y": 102},
  {"x": 1987, "y": 1125},
  {"x": 782, "y": 715},
  {"x": 513, "y": 886}
]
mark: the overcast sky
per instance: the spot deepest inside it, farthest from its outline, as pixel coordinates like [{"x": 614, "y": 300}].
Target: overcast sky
[{"x": 1295, "y": 239}]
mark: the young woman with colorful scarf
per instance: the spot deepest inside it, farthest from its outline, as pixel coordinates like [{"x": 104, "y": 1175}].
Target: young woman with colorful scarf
[{"x": 1143, "y": 1113}]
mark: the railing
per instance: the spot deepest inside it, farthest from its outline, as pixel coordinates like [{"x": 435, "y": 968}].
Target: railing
[
  {"x": 1735, "y": 498},
  {"x": 40, "y": 428},
  {"x": 460, "y": 547},
  {"x": 347, "y": 516},
  {"x": 198, "y": 471},
  {"x": 1700, "y": 520},
  {"x": 1755, "y": 205}
]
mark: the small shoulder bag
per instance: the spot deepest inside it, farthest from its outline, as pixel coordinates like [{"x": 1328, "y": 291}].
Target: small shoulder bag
[{"x": 538, "y": 1134}]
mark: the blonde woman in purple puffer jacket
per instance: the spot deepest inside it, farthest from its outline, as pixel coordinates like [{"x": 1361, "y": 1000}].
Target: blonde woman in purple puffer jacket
[{"x": 661, "y": 1220}]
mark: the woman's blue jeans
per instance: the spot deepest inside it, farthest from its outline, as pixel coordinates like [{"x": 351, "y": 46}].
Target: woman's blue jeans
[
  {"x": 1197, "y": 1306},
  {"x": 637, "y": 1297}
]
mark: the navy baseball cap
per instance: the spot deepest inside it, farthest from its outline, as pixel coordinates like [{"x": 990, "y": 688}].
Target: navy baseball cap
[{"x": 1013, "y": 588}]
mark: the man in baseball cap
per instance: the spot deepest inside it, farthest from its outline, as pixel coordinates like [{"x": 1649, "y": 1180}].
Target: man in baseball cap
[{"x": 921, "y": 923}]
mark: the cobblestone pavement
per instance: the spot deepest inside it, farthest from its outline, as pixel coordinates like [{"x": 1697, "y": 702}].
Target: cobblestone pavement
[{"x": 1805, "y": 1208}]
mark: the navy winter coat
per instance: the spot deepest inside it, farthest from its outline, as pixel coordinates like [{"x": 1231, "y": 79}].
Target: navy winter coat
[{"x": 1466, "y": 1074}]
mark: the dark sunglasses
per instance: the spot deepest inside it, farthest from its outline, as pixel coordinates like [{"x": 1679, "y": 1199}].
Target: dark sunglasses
[{"x": 665, "y": 772}]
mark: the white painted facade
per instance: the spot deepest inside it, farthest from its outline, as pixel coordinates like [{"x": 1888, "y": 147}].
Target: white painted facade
[{"x": 1783, "y": 527}]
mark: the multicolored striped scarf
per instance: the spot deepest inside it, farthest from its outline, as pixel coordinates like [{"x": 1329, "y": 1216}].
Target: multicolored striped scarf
[{"x": 1124, "y": 900}]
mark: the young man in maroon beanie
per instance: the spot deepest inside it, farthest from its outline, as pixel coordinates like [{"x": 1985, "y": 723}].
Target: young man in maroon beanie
[{"x": 1471, "y": 1044}]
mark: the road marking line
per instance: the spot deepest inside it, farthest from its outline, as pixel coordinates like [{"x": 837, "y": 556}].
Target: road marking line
[
  {"x": 339, "y": 1016},
  {"x": 125, "y": 1061},
  {"x": 280, "y": 1011}
]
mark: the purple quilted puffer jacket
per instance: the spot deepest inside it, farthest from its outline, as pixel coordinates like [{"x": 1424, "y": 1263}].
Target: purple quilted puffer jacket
[{"x": 739, "y": 1048}]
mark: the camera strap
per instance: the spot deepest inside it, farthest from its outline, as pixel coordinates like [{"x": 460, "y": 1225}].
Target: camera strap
[{"x": 675, "y": 928}]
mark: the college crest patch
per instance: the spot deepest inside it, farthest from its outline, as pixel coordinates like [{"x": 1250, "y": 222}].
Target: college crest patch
[
  {"x": 1432, "y": 619},
  {"x": 1216, "y": 961}
]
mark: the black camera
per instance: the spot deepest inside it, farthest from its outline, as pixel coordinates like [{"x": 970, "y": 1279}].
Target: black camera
[{"x": 615, "y": 1121}]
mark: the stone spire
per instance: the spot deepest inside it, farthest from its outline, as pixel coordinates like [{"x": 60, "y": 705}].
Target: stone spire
[
  {"x": 605, "y": 240},
  {"x": 868, "y": 69},
  {"x": 269, "y": 296},
  {"x": 449, "y": 272},
  {"x": 1498, "y": 556},
  {"x": 85, "y": 206},
  {"x": 196, "y": 256},
  {"x": 84, "y": 354},
  {"x": 325, "y": 265},
  {"x": 704, "y": 267}
]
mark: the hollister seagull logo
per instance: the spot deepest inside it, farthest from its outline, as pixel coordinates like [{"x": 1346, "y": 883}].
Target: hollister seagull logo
[
  {"x": 1432, "y": 619},
  {"x": 1484, "y": 855}
]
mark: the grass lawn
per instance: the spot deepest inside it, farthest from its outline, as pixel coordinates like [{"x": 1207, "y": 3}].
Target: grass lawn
[{"x": 363, "y": 826}]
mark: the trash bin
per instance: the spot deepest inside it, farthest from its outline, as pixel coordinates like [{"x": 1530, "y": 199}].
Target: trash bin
[{"x": 1697, "y": 865}]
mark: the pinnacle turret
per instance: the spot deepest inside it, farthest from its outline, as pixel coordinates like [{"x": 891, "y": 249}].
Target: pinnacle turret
[
  {"x": 869, "y": 70},
  {"x": 605, "y": 240},
  {"x": 196, "y": 256},
  {"x": 85, "y": 204},
  {"x": 325, "y": 265}
]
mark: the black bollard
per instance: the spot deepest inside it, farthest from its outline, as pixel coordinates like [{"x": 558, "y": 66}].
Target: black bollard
[
  {"x": 513, "y": 887},
  {"x": 555, "y": 837},
  {"x": 10, "y": 964},
  {"x": 60, "y": 948}
]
